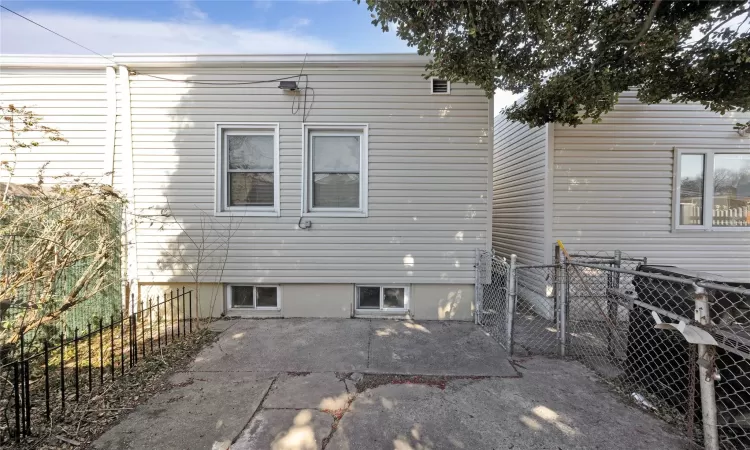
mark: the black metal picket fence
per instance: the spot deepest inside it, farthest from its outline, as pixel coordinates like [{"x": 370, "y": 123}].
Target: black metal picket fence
[{"x": 40, "y": 382}]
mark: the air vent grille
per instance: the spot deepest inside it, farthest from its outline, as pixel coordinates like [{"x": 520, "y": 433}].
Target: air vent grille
[{"x": 440, "y": 86}]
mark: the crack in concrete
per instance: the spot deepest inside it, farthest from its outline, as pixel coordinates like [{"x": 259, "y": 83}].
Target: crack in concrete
[
  {"x": 260, "y": 407},
  {"x": 338, "y": 415},
  {"x": 369, "y": 342}
]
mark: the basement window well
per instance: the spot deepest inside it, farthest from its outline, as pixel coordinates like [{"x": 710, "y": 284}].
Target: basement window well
[
  {"x": 382, "y": 298},
  {"x": 253, "y": 297}
]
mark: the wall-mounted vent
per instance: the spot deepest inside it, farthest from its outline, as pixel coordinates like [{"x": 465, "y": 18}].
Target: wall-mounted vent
[{"x": 441, "y": 86}]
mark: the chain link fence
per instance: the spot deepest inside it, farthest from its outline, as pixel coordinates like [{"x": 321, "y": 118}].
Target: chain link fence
[{"x": 672, "y": 341}]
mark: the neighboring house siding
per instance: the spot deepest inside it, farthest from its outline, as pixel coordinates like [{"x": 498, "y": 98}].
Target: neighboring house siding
[
  {"x": 74, "y": 101},
  {"x": 428, "y": 168},
  {"x": 518, "y": 200},
  {"x": 613, "y": 185}
]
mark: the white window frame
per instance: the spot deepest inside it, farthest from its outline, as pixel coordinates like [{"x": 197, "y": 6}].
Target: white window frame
[
  {"x": 334, "y": 129},
  {"x": 228, "y": 295},
  {"x": 221, "y": 201},
  {"x": 708, "y": 190},
  {"x": 381, "y": 309},
  {"x": 432, "y": 91}
]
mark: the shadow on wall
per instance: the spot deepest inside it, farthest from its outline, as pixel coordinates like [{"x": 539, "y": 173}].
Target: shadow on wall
[{"x": 181, "y": 242}]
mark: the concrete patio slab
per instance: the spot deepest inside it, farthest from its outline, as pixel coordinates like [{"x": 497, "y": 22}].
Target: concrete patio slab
[
  {"x": 280, "y": 384},
  {"x": 436, "y": 348},
  {"x": 201, "y": 408},
  {"x": 322, "y": 391},
  {"x": 285, "y": 429},
  {"x": 554, "y": 405},
  {"x": 289, "y": 345}
]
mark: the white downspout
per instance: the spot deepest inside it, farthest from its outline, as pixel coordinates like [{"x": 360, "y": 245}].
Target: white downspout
[
  {"x": 127, "y": 181},
  {"x": 108, "y": 168}
]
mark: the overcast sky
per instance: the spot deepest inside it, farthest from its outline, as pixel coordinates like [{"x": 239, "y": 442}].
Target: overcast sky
[{"x": 187, "y": 26}]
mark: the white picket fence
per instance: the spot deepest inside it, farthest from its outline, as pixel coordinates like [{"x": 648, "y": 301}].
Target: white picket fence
[{"x": 723, "y": 217}]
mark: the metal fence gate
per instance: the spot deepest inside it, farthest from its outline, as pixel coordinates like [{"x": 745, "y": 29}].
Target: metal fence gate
[{"x": 604, "y": 310}]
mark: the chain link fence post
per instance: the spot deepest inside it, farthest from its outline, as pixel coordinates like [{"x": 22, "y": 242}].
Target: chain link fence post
[
  {"x": 707, "y": 374},
  {"x": 478, "y": 285},
  {"x": 511, "y": 304},
  {"x": 563, "y": 286},
  {"x": 613, "y": 283}
]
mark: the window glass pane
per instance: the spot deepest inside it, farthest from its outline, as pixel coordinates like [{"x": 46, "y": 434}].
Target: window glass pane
[
  {"x": 250, "y": 152},
  {"x": 266, "y": 297},
  {"x": 335, "y": 153},
  {"x": 335, "y": 190},
  {"x": 369, "y": 297},
  {"x": 691, "y": 189},
  {"x": 393, "y": 297},
  {"x": 731, "y": 190},
  {"x": 242, "y": 296},
  {"x": 250, "y": 189}
]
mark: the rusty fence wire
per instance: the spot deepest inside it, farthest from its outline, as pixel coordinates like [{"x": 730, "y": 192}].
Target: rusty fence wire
[{"x": 673, "y": 342}]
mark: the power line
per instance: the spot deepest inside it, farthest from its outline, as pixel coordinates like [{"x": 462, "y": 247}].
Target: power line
[
  {"x": 228, "y": 83},
  {"x": 212, "y": 83},
  {"x": 305, "y": 110},
  {"x": 57, "y": 34}
]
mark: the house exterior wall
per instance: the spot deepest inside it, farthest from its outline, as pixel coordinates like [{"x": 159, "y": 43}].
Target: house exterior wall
[
  {"x": 613, "y": 185},
  {"x": 428, "y": 166},
  {"x": 519, "y": 184},
  {"x": 428, "y": 161},
  {"x": 74, "y": 101}
]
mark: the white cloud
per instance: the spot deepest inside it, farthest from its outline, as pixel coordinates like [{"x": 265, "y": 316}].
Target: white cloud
[
  {"x": 503, "y": 99},
  {"x": 190, "y": 10},
  {"x": 109, "y": 35}
]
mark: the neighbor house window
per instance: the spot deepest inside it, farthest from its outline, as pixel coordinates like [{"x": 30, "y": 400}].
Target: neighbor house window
[
  {"x": 252, "y": 297},
  {"x": 382, "y": 298},
  {"x": 335, "y": 170},
  {"x": 247, "y": 168},
  {"x": 712, "y": 190}
]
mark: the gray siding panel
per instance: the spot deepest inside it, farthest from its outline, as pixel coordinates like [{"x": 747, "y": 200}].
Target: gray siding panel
[
  {"x": 518, "y": 214},
  {"x": 613, "y": 185},
  {"x": 428, "y": 165},
  {"x": 74, "y": 101}
]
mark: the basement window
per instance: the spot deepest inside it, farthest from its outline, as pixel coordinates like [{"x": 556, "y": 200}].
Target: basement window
[
  {"x": 382, "y": 298},
  {"x": 253, "y": 297},
  {"x": 440, "y": 86}
]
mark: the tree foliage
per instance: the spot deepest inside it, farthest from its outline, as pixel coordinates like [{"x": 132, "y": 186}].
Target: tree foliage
[
  {"x": 56, "y": 242},
  {"x": 573, "y": 57}
]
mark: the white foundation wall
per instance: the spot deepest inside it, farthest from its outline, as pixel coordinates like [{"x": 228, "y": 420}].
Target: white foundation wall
[{"x": 426, "y": 301}]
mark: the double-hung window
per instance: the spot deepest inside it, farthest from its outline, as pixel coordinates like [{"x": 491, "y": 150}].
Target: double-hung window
[
  {"x": 335, "y": 170},
  {"x": 712, "y": 190},
  {"x": 247, "y": 168}
]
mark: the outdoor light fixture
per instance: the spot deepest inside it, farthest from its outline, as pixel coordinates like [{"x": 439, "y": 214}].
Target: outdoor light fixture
[{"x": 288, "y": 85}]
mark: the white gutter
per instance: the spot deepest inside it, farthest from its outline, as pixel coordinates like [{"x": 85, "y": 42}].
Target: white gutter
[{"x": 134, "y": 61}]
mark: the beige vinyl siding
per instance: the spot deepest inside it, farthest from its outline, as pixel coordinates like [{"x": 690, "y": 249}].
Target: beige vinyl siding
[
  {"x": 519, "y": 182},
  {"x": 613, "y": 185},
  {"x": 428, "y": 168},
  {"x": 74, "y": 101}
]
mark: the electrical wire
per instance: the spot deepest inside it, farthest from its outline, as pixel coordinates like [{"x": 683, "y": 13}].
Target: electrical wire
[
  {"x": 57, "y": 34},
  {"x": 294, "y": 112},
  {"x": 305, "y": 110},
  {"x": 213, "y": 83}
]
